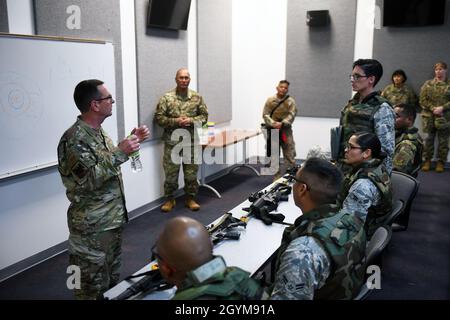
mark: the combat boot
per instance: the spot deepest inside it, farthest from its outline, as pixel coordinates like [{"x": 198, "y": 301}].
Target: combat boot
[
  {"x": 439, "y": 167},
  {"x": 168, "y": 205},
  {"x": 426, "y": 166},
  {"x": 191, "y": 204}
]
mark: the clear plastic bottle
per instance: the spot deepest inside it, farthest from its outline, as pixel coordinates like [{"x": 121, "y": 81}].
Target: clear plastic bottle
[{"x": 136, "y": 164}]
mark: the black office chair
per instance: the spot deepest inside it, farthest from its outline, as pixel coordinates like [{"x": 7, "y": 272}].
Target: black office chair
[
  {"x": 397, "y": 209},
  {"x": 405, "y": 188},
  {"x": 374, "y": 250}
]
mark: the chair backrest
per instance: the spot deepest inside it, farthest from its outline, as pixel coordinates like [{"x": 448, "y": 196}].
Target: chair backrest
[
  {"x": 404, "y": 186},
  {"x": 397, "y": 209},
  {"x": 377, "y": 243}
]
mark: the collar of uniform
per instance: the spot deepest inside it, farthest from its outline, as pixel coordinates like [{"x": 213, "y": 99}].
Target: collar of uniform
[
  {"x": 366, "y": 98},
  {"x": 372, "y": 163},
  {"x": 319, "y": 212},
  {"x": 409, "y": 130},
  {"x": 88, "y": 128},
  {"x": 181, "y": 97}
]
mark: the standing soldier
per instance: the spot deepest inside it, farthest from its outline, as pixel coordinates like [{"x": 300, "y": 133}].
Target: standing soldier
[
  {"x": 435, "y": 103},
  {"x": 399, "y": 92},
  {"x": 368, "y": 111},
  {"x": 180, "y": 108},
  {"x": 89, "y": 165},
  {"x": 279, "y": 113},
  {"x": 408, "y": 142}
]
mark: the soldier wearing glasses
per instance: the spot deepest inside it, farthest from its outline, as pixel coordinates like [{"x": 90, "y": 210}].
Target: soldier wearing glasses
[
  {"x": 368, "y": 111},
  {"x": 89, "y": 165}
]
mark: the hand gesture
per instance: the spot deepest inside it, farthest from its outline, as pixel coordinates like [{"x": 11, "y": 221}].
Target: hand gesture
[
  {"x": 142, "y": 133},
  {"x": 130, "y": 144}
]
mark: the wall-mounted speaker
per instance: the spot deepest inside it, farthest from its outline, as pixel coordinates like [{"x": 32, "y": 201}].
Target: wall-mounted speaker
[{"x": 317, "y": 18}]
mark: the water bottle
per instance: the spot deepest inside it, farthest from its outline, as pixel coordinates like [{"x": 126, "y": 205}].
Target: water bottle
[
  {"x": 211, "y": 130},
  {"x": 136, "y": 165}
]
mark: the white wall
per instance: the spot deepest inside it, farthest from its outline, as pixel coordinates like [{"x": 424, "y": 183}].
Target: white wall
[{"x": 20, "y": 16}]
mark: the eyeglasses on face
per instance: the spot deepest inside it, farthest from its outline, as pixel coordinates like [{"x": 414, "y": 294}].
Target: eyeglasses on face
[
  {"x": 349, "y": 147},
  {"x": 356, "y": 77},
  {"x": 155, "y": 254},
  {"x": 300, "y": 181},
  {"x": 106, "y": 98}
]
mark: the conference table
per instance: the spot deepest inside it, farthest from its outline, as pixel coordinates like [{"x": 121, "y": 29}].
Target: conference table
[
  {"x": 223, "y": 139},
  {"x": 252, "y": 252}
]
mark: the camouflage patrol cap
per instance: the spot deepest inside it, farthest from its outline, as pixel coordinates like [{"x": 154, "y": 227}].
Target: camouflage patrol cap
[{"x": 441, "y": 123}]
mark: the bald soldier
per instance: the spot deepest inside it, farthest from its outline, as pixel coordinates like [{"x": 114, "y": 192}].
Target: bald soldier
[
  {"x": 180, "y": 108},
  {"x": 187, "y": 261}
]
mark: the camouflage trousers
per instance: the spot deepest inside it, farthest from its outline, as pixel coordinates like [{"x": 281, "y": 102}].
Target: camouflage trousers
[
  {"x": 172, "y": 171},
  {"x": 443, "y": 135},
  {"x": 98, "y": 257}
]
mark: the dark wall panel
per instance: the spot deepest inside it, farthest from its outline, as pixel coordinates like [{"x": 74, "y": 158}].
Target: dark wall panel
[
  {"x": 319, "y": 59},
  {"x": 3, "y": 16},
  {"x": 214, "y": 57},
  {"x": 413, "y": 49},
  {"x": 160, "y": 53}
]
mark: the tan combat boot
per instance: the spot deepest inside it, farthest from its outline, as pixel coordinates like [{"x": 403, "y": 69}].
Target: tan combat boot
[
  {"x": 426, "y": 166},
  {"x": 168, "y": 205},
  {"x": 439, "y": 167},
  {"x": 191, "y": 204}
]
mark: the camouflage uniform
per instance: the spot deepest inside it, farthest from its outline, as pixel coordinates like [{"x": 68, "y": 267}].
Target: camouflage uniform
[
  {"x": 321, "y": 257},
  {"x": 89, "y": 166},
  {"x": 231, "y": 284},
  {"x": 367, "y": 192},
  {"x": 435, "y": 94},
  {"x": 404, "y": 94},
  {"x": 408, "y": 151},
  {"x": 285, "y": 113},
  {"x": 170, "y": 107},
  {"x": 373, "y": 114}
]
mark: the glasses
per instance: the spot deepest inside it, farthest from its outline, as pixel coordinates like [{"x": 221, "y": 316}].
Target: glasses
[
  {"x": 356, "y": 77},
  {"x": 349, "y": 147},
  {"x": 155, "y": 254},
  {"x": 300, "y": 181},
  {"x": 106, "y": 98}
]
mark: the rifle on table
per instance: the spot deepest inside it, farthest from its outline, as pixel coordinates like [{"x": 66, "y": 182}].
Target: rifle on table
[
  {"x": 152, "y": 281},
  {"x": 226, "y": 228},
  {"x": 263, "y": 202}
]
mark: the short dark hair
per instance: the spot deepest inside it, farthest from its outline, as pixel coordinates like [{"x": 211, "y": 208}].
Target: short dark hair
[
  {"x": 85, "y": 92},
  {"x": 407, "y": 110},
  {"x": 369, "y": 140},
  {"x": 399, "y": 72},
  {"x": 371, "y": 67},
  {"x": 284, "y": 81},
  {"x": 324, "y": 180}
]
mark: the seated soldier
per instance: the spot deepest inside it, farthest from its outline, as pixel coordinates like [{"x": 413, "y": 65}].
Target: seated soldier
[
  {"x": 321, "y": 255},
  {"x": 408, "y": 142},
  {"x": 367, "y": 189},
  {"x": 185, "y": 259}
]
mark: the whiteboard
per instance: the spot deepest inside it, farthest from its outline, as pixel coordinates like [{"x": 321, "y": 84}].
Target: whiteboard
[{"x": 37, "y": 80}]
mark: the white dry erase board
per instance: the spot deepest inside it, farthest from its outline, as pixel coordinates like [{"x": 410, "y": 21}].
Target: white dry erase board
[{"x": 37, "y": 78}]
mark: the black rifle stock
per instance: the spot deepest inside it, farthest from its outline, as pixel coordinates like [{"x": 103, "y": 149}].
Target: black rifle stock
[{"x": 152, "y": 281}]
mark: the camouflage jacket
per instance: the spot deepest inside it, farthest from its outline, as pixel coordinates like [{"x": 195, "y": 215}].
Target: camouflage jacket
[
  {"x": 231, "y": 284},
  {"x": 321, "y": 256},
  {"x": 435, "y": 94},
  {"x": 89, "y": 165},
  {"x": 367, "y": 192},
  {"x": 404, "y": 94},
  {"x": 374, "y": 114},
  {"x": 285, "y": 113},
  {"x": 172, "y": 105},
  {"x": 408, "y": 150}
]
